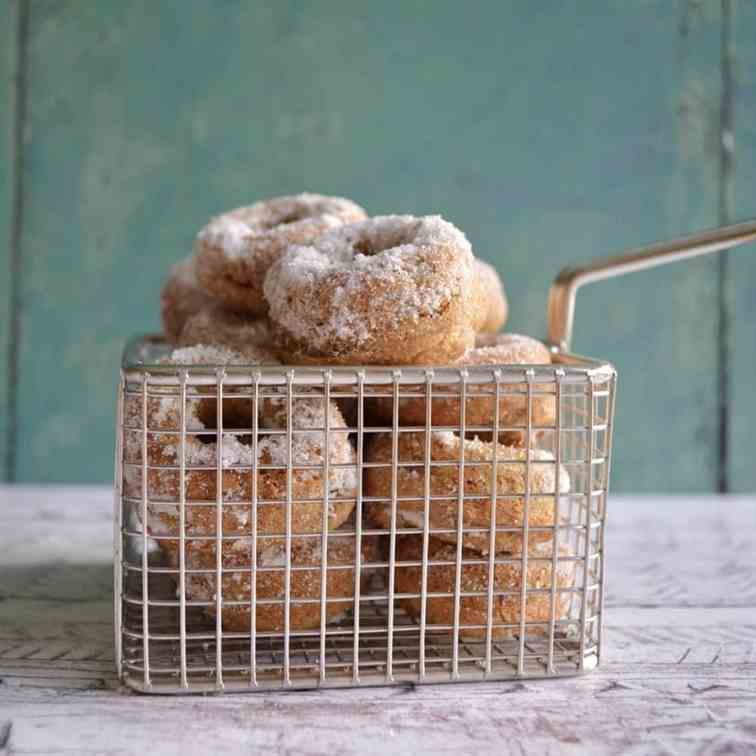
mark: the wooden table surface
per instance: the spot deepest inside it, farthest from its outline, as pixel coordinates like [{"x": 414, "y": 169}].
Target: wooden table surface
[{"x": 678, "y": 673}]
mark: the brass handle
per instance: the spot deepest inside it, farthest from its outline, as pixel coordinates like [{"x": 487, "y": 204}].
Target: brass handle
[{"x": 562, "y": 294}]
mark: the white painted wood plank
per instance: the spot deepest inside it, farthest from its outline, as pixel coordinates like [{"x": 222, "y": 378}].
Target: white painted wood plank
[
  {"x": 681, "y": 551},
  {"x": 678, "y": 674},
  {"x": 602, "y": 713}
]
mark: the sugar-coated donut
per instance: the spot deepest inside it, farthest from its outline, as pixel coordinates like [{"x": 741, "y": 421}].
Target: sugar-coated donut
[
  {"x": 234, "y": 251},
  {"x": 441, "y": 579},
  {"x": 494, "y": 349},
  {"x": 180, "y": 297},
  {"x": 163, "y": 404},
  {"x": 394, "y": 289},
  {"x": 307, "y": 485},
  {"x": 220, "y": 326},
  {"x": 444, "y": 482},
  {"x": 306, "y": 552},
  {"x": 495, "y": 308},
  {"x": 238, "y": 411},
  {"x": 201, "y": 452}
]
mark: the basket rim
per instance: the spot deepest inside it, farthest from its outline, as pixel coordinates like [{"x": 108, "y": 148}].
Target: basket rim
[{"x": 137, "y": 364}]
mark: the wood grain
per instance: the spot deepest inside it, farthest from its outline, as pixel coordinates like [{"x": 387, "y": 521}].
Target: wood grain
[
  {"x": 549, "y": 140},
  {"x": 741, "y": 278},
  {"x": 678, "y": 676}
]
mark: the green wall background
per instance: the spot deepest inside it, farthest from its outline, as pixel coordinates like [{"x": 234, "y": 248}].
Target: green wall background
[{"x": 550, "y": 131}]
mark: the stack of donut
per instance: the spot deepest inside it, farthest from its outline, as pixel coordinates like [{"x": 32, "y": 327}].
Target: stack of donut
[{"x": 312, "y": 280}]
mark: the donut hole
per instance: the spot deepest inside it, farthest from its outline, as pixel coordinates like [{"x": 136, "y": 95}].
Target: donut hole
[
  {"x": 384, "y": 238},
  {"x": 287, "y": 217},
  {"x": 237, "y": 413},
  {"x": 364, "y": 247}
]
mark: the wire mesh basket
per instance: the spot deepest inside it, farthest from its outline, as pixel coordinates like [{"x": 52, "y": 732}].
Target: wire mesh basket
[{"x": 284, "y": 527}]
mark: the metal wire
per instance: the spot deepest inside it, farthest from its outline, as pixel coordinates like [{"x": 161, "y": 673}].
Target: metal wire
[
  {"x": 219, "y": 532},
  {"x": 429, "y": 615}
]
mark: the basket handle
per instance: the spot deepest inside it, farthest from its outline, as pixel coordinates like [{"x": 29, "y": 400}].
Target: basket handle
[{"x": 564, "y": 289}]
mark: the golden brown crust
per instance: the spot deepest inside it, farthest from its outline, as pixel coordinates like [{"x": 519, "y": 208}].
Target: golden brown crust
[
  {"x": 201, "y": 477},
  {"x": 494, "y": 309},
  {"x": 421, "y": 346},
  {"x": 234, "y": 251},
  {"x": 441, "y": 578},
  {"x": 499, "y": 349},
  {"x": 163, "y": 405},
  {"x": 444, "y": 482},
  {"x": 270, "y": 582},
  {"x": 217, "y": 325},
  {"x": 307, "y": 497},
  {"x": 180, "y": 298}
]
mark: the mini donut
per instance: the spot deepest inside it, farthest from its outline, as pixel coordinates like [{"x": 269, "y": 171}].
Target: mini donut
[
  {"x": 234, "y": 251},
  {"x": 306, "y": 552},
  {"x": 494, "y": 349},
  {"x": 308, "y": 419},
  {"x": 389, "y": 290},
  {"x": 444, "y": 482},
  {"x": 237, "y": 412},
  {"x": 163, "y": 411},
  {"x": 163, "y": 481},
  {"x": 495, "y": 307},
  {"x": 180, "y": 297},
  {"x": 217, "y": 325},
  {"x": 163, "y": 439},
  {"x": 441, "y": 579},
  {"x": 307, "y": 485}
]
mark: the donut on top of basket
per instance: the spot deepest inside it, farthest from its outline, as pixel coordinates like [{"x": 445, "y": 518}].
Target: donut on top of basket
[{"x": 310, "y": 279}]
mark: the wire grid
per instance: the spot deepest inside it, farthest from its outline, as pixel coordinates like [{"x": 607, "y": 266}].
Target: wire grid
[{"x": 172, "y": 637}]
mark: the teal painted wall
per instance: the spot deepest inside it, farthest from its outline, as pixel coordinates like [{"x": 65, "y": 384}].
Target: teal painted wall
[{"x": 550, "y": 131}]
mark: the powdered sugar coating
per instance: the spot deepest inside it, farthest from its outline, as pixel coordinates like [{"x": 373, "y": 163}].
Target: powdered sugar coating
[
  {"x": 514, "y": 478},
  {"x": 442, "y": 582},
  {"x": 506, "y": 349},
  {"x": 234, "y": 251},
  {"x": 164, "y": 402},
  {"x": 206, "y": 354},
  {"x": 233, "y": 231},
  {"x": 227, "y": 234},
  {"x": 163, "y": 411},
  {"x": 306, "y": 556},
  {"x": 309, "y": 418},
  {"x": 367, "y": 283},
  {"x": 229, "y": 463},
  {"x": 224, "y": 328},
  {"x": 490, "y": 349}
]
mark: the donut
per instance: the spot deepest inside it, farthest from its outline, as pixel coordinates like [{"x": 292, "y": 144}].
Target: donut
[
  {"x": 163, "y": 404},
  {"x": 217, "y": 325},
  {"x": 444, "y": 482},
  {"x": 507, "y": 578},
  {"x": 234, "y": 251},
  {"x": 494, "y": 349},
  {"x": 308, "y": 419},
  {"x": 180, "y": 297},
  {"x": 390, "y": 290},
  {"x": 237, "y": 412},
  {"x": 307, "y": 485},
  {"x": 495, "y": 308},
  {"x": 306, "y": 561}
]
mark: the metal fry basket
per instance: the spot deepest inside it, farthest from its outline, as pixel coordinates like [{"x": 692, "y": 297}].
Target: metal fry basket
[{"x": 287, "y": 527}]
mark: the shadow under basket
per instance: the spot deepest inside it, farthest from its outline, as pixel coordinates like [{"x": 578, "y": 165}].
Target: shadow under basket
[{"x": 285, "y": 527}]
